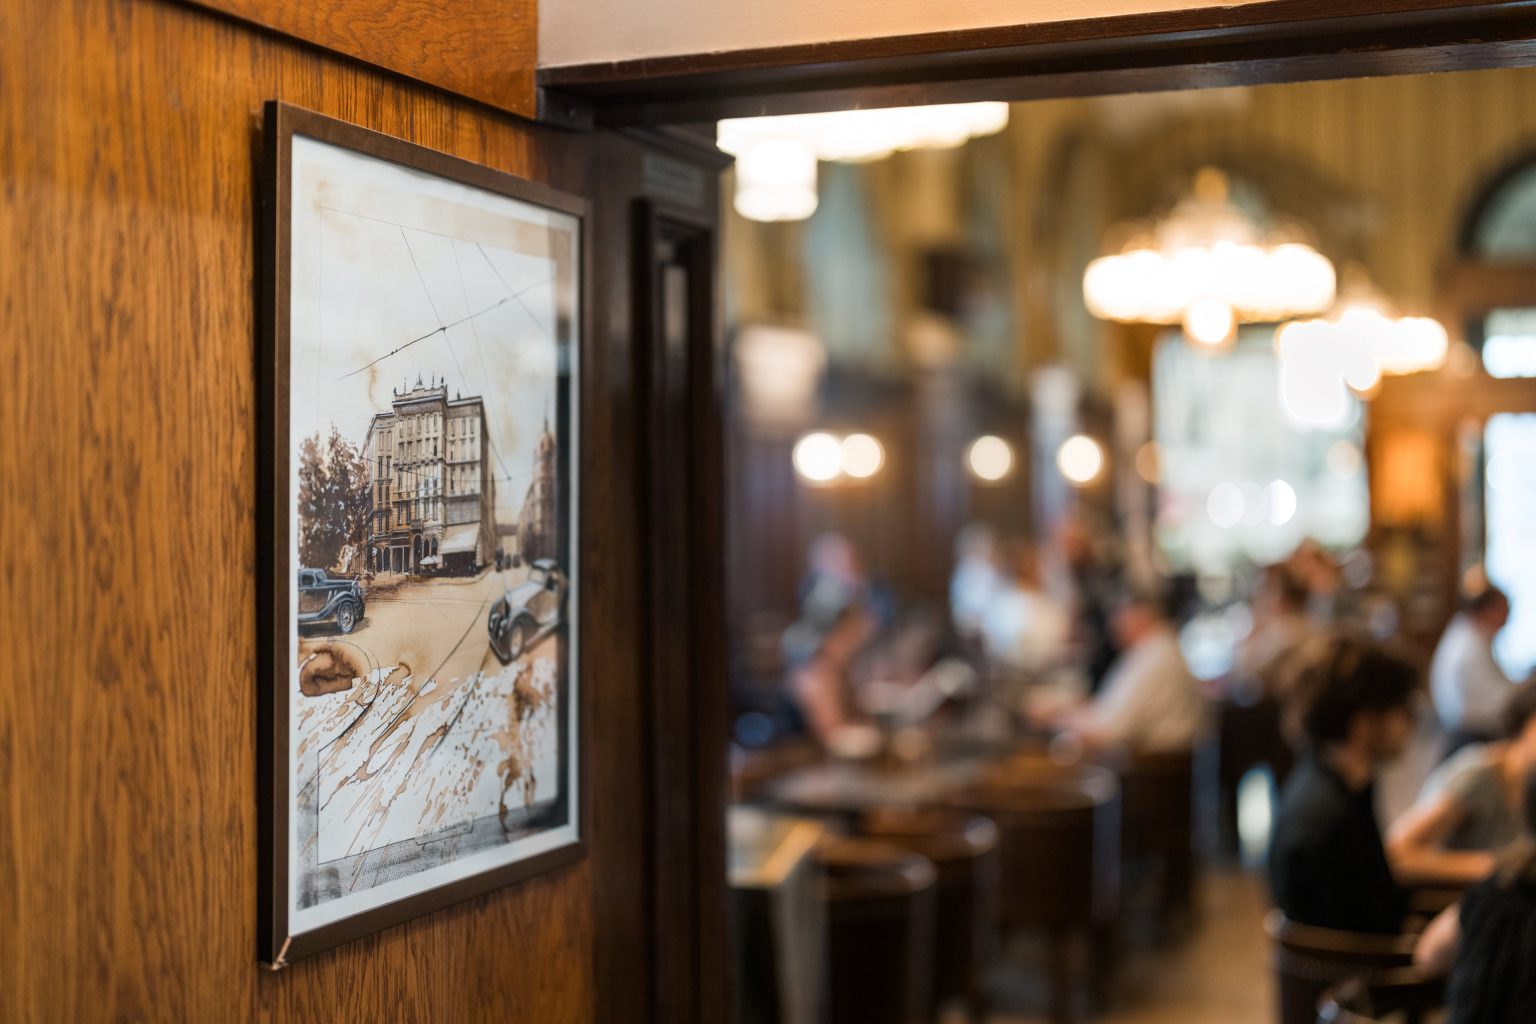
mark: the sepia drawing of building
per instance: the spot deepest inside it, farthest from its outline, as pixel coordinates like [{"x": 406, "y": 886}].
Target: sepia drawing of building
[
  {"x": 433, "y": 494},
  {"x": 537, "y": 524}
]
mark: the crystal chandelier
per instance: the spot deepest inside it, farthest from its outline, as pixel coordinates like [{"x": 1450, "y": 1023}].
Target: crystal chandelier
[
  {"x": 1353, "y": 346},
  {"x": 1209, "y": 267},
  {"x": 776, "y": 157}
]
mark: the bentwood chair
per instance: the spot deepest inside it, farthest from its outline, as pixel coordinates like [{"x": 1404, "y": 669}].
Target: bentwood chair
[
  {"x": 963, "y": 848},
  {"x": 1060, "y": 867},
  {"x": 1308, "y": 961},
  {"x": 1402, "y": 996},
  {"x": 880, "y": 918}
]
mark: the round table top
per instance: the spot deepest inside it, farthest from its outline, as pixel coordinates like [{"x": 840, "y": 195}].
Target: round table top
[{"x": 852, "y": 788}]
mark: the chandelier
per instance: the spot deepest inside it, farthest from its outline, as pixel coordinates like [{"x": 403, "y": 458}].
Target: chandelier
[
  {"x": 1352, "y": 347},
  {"x": 1209, "y": 266},
  {"x": 776, "y": 157}
]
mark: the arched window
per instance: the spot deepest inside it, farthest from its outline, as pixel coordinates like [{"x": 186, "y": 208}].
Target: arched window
[
  {"x": 1498, "y": 243},
  {"x": 1501, "y": 229}
]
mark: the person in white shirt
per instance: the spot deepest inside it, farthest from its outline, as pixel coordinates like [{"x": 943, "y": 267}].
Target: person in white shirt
[
  {"x": 1149, "y": 702},
  {"x": 1468, "y": 686},
  {"x": 976, "y": 580},
  {"x": 1023, "y": 631}
]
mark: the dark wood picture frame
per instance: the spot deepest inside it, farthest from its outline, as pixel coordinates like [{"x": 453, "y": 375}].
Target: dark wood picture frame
[{"x": 277, "y": 945}]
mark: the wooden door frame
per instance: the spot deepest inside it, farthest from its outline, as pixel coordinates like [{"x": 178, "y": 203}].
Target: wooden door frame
[
  {"x": 686, "y": 738},
  {"x": 1268, "y": 42},
  {"x": 1258, "y": 43}
]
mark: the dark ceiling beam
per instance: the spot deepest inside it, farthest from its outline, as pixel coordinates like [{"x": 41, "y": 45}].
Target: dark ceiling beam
[{"x": 1252, "y": 44}]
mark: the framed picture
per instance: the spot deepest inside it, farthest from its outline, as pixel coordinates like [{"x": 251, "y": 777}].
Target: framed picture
[{"x": 420, "y": 726}]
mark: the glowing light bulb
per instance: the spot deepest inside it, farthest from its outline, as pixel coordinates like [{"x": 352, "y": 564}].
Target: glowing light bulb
[
  {"x": 861, "y": 456},
  {"x": 1281, "y": 498},
  {"x": 1209, "y": 321},
  {"x": 1080, "y": 459},
  {"x": 990, "y": 458},
  {"x": 818, "y": 457}
]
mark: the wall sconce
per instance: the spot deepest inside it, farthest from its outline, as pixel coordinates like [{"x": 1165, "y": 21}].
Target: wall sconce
[
  {"x": 1080, "y": 459},
  {"x": 821, "y": 457},
  {"x": 861, "y": 456},
  {"x": 779, "y": 369},
  {"x": 989, "y": 458}
]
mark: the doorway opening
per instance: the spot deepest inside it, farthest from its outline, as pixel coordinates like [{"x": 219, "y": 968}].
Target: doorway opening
[{"x": 1007, "y": 408}]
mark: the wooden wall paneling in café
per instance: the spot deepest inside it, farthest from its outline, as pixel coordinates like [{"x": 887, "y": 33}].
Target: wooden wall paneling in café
[
  {"x": 128, "y": 140},
  {"x": 485, "y": 50}
]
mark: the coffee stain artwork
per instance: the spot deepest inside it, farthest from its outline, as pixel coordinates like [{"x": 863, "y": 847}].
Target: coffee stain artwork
[
  {"x": 427, "y": 722},
  {"x": 395, "y": 758}
]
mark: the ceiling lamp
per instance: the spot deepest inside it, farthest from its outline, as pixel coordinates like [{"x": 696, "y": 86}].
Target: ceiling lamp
[
  {"x": 773, "y": 181},
  {"x": 776, "y": 180},
  {"x": 1209, "y": 267},
  {"x": 1357, "y": 343}
]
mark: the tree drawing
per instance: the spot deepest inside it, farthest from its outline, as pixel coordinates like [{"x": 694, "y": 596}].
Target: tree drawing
[{"x": 333, "y": 498}]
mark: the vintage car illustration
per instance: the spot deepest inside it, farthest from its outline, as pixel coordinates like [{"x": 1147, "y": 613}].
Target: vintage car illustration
[
  {"x": 527, "y": 612},
  {"x": 326, "y": 599}
]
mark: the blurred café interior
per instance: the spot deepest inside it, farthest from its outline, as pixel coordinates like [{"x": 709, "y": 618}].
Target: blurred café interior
[{"x": 1131, "y": 563}]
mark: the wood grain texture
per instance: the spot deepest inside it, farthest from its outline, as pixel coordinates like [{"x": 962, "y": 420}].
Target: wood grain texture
[
  {"x": 128, "y": 138},
  {"x": 484, "y": 50}
]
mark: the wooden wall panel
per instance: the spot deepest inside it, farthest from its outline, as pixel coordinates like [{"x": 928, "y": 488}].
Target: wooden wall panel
[
  {"x": 484, "y": 49},
  {"x": 127, "y": 489}
]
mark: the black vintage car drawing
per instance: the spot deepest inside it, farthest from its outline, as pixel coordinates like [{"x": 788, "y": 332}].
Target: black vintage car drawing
[
  {"x": 324, "y": 599},
  {"x": 527, "y": 612}
]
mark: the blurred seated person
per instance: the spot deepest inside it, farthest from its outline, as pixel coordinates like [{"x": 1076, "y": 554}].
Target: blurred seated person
[
  {"x": 820, "y": 651},
  {"x": 910, "y": 674},
  {"x": 1149, "y": 701},
  {"x": 1468, "y": 687},
  {"x": 1318, "y": 571},
  {"x": 1023, "y": 630},
  {"x": 1471, "y": 805},
  {"x": 1488, "y": 943},
  {"x": 976, "y": 580},
  {"x": 1274, "y": 652},
  {"x": 1327, "y": 865},
  {"x": 835, "y": 578},
  {"x": 1084, "y": 584}
]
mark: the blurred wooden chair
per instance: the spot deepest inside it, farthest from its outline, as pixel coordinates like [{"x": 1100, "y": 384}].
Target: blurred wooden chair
[
  {"x": 880, "y": 921},
  {"x": 963, "y": 848},
  {"x": 1059, "y": 846},
  {"x": 778, "y": 917},
  {"x": 1308, "y": 961},
  {"x": 1249, "y": 735},
  {"x": 1158, "y": 793},
  {"x": 1402, "y": 996}
]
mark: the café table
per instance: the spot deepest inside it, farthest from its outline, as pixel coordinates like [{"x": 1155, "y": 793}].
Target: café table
[
  {"x": 844, "y": 791},
  {"x": 778, "y": 916}
]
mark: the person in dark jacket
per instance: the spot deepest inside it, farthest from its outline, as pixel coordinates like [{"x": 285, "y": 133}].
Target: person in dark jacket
[
  {"x": 1327, "y": 864},
  {"x": 1488, "y": 943}
]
